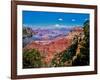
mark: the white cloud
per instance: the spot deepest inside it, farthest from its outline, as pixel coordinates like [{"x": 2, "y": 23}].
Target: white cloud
[
  {"x": 61, "y": 26},
  {"x": 57, "y": 25},
  {"x": 60, "y": 19},
  {"x": 73, "y": 20}
]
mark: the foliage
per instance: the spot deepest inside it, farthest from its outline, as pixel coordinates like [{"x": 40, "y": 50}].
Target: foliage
[
  {"x": 83, "y": 56},
  {"x": 32, "y": 59}
]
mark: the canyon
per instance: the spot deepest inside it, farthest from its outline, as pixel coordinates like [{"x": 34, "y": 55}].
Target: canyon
[{"x": 50, "y": 47}]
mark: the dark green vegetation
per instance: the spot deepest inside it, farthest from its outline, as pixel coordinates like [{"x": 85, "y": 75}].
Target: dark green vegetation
[
  {"x": 32, "y": 59},
  {"x": 76, "y": 55},
  {"x": 83, "y": 56}
]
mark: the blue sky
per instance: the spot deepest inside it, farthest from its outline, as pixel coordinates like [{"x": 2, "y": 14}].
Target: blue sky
[{"x": 41, "y": 19}]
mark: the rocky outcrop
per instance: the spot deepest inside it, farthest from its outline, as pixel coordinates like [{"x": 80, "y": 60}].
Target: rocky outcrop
[{"x": 28, "y": 32}]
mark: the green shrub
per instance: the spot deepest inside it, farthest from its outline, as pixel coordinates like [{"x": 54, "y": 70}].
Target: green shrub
[{"x": 32, "y": 59}]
